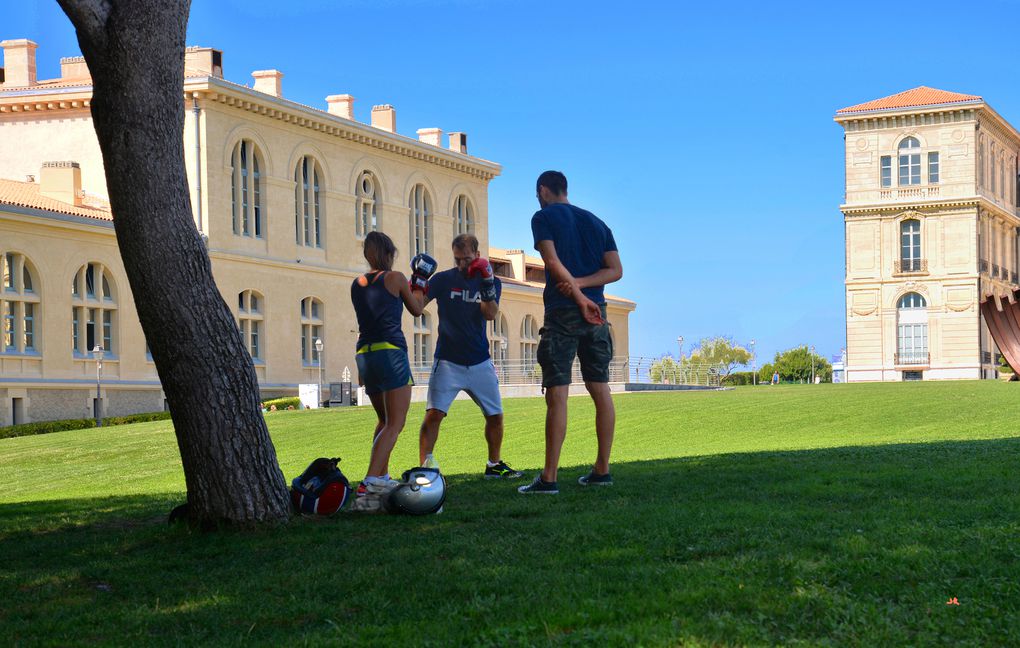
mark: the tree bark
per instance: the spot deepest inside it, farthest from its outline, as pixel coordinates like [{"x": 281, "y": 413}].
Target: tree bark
[{"x": 135, "y": 52}]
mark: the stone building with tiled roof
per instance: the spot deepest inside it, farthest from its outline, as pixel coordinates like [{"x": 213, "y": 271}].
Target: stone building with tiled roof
[
  {"x": 931, "y": 217},
  {"x": 283, "y": 193}
]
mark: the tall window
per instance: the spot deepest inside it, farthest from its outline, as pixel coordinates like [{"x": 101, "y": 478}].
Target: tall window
[
  {"x": 463, "y": 216},
  {"x": 19, "y": 305},
  {"x": 994, "y": 175},
  {"x": 422, "y": 340},
  {"x": 933, "y": 168},
  {"x": 910, "y": 161},
  {"x": 529, "y": 342},
  {"x": 912, "y": 330},
  {"x": 420, "y": 203},
  {"x": 498, "y": 338},
  {"x": 910, "y": 245},
  {"x": 365, "y": 210},
  {"x": 311, "y": 329},
  {"x": 93, "y": 309},
  {"x": 886, "y": 170},
  {"x": 981, "y": 162},
  {"x": 246, "y": 189},
  {"x": 307, "y": 205},
  {"x": 250, "y": 321}
]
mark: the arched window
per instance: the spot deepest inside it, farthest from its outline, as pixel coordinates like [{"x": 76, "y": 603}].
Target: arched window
[
  {"x": 910, "y": 245},
  {"x": 19, "y": 305},
  {"x": 93, "y": 310},
  {"x": 365, "y": 211},
  {"x": 250, "y": 321},
  {"x": 420, "y": 203},
  {"x": 246, "y": 189},
  {"x": 463, "y": 216},
  {"x": 910, "y": 161},
  {"x": 311, "y": 329},
  {"x": 422, "y": 340},
  {"x": 498, "y": 339},
  {"x": 911, "y": 330},
  {"x": 307, "y": 205},
  {"x": 529, "y": 342}
]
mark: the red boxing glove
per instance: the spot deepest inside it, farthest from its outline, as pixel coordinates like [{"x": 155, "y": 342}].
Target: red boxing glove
[
  {"x": 419, "y": 283},
  {"x": 480, "y": 267}
]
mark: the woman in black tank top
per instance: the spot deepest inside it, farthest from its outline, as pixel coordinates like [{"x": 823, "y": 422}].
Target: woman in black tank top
[{"x": 379, "y": 297}]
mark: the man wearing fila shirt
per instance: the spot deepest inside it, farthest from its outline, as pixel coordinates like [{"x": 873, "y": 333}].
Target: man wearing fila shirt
[{"x": 468, "y": 297}]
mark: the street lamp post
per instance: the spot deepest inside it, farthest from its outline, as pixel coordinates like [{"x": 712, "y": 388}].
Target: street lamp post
[
  {"x": 318, "y": 353},
  {"x": 97, "y": 355},
  {"x": 812, "y": 365},
  {"x": 680, "y": 358},
  {"x": 754, "y": 366}
]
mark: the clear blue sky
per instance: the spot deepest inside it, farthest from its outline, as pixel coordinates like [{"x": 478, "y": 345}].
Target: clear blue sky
[{"x": 701, "y": 132}]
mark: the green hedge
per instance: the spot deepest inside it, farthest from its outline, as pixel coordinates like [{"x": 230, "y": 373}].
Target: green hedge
[
  {"x": 45, "y": 427},
  {"x": 283, "y": 403}
]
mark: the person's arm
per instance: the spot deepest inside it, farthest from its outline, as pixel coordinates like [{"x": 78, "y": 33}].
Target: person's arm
[
  {"x": 414, "y": 300},
  {"x": 490, "y": 309},
  {"x": 612, "y": 270},
  {"x": 559, "y": 273}
]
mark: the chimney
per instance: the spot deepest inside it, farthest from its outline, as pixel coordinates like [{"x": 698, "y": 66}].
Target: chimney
[
  {"x": 269, "y": 82},
  {"x": 341, "y": 106},
  {"x": 384, "y": 117},
  {"x": 61, "y": 181},
  {"x": 74, "y": 68},
  {"x": 19, "y": 63},
  {"x": 203, "y": 61},
  {"x": 433, "y": 136},
  {"x": 458, "y": 142}
]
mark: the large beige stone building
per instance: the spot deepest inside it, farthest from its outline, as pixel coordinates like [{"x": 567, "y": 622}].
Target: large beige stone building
[
  {"x": 283, "y": 192},
  {"x": 931, "y": 228}
]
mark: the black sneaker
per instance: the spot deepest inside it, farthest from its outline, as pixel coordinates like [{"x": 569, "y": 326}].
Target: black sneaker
[
  {"x": 594, "y": 479},
  {"x": 501, "y": 471},
  {"x": 539, "y": 487}
]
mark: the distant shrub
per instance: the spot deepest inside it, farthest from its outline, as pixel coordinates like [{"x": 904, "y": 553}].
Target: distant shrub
[
  {"x": 289, "y": 402},
  {"x": 45, "y": 427}
]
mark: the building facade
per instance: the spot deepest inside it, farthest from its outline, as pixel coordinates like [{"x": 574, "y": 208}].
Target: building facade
[
  {"x": 931, "y": 217},
  {"x": 283, "y": 194}
]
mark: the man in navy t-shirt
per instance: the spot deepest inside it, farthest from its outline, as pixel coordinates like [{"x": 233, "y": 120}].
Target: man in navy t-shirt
[
  {"x": 468, "y": 297},
  {"x": 580, "y": 258}
]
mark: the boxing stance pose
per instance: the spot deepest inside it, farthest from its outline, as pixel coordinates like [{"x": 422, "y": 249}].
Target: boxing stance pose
[
  {"x": 468, "y": 297},
  {"x": 379, "y": 297}
]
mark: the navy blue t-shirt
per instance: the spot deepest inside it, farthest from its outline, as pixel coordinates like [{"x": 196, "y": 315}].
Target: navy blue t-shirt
[
  {"x": 462, "y": 338},
  {"x": 581, "y": 241}
]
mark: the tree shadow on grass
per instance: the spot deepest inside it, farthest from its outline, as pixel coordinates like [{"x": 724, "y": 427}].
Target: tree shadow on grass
[{"x": 853, "y": 546}]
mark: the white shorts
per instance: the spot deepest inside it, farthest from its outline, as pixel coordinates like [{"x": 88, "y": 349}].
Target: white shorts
[{"x": 479, "y": 381}]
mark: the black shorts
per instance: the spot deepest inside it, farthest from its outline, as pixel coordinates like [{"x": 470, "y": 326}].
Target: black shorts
[{"x": 567, "y": 335}]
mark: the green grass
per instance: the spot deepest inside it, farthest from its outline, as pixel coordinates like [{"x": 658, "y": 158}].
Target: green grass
[{"x": 814, "y": 515}]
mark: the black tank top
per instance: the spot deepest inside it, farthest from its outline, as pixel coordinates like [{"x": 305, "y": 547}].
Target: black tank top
[{"x": 378, "y": 312}]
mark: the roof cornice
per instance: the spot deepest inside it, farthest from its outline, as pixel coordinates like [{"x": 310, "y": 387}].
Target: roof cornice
[
  {"x": 243, "y": 98},
  {"x": 909, "y": 110}
]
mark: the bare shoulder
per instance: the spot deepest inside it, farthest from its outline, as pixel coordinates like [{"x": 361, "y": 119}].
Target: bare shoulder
[{"x": 394, "y": 281}]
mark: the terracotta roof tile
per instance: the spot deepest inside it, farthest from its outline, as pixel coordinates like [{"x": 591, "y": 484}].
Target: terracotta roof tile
[
  {"x": 26, "y": 194},
  {"x": 922, "y": 96}
]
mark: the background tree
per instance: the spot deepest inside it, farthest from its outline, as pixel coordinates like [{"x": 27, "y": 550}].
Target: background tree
[
  {"x": 795, "y": 365},
  {"x": 665, "y": 370},
  {"x": 135, "y": 52},
  {"x": 721, "y": 351}
]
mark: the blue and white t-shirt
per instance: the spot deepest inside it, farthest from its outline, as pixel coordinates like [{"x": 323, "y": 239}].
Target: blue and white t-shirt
[
  {"x": 581, "y": 242},
  {"x": 462, "y": 336}
]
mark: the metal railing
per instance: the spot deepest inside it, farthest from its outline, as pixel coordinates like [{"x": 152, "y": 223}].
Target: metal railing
[
  {"x": 913, "y": 358},
  {"x": 632, "y": 369},
  {"x": 986, "y": 357},
  {"x": 995, "y": 271},
  {"x": 982, "y": 265},
  {"x": 902, "y": 266}
]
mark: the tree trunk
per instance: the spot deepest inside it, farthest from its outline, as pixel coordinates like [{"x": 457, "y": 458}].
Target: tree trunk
[{"x": 135, "y": 52}]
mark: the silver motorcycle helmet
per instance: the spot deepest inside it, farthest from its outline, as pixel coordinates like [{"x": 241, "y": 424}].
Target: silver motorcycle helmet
[{"x": 421, "y": 491}]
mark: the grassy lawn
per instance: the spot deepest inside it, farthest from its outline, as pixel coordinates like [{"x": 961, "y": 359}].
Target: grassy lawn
[{"x": 811, "y": 515}]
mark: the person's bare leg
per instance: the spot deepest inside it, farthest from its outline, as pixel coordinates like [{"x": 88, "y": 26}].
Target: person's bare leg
[
  {"x": 379, "y": 405},
  {"x": 397, "y": 401},
  {"x": 605, "y": 423},
  {"x": 494, "y": 436},
  {"x": 555, "y": 428},
  {"x": 429, "y": 433}
]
